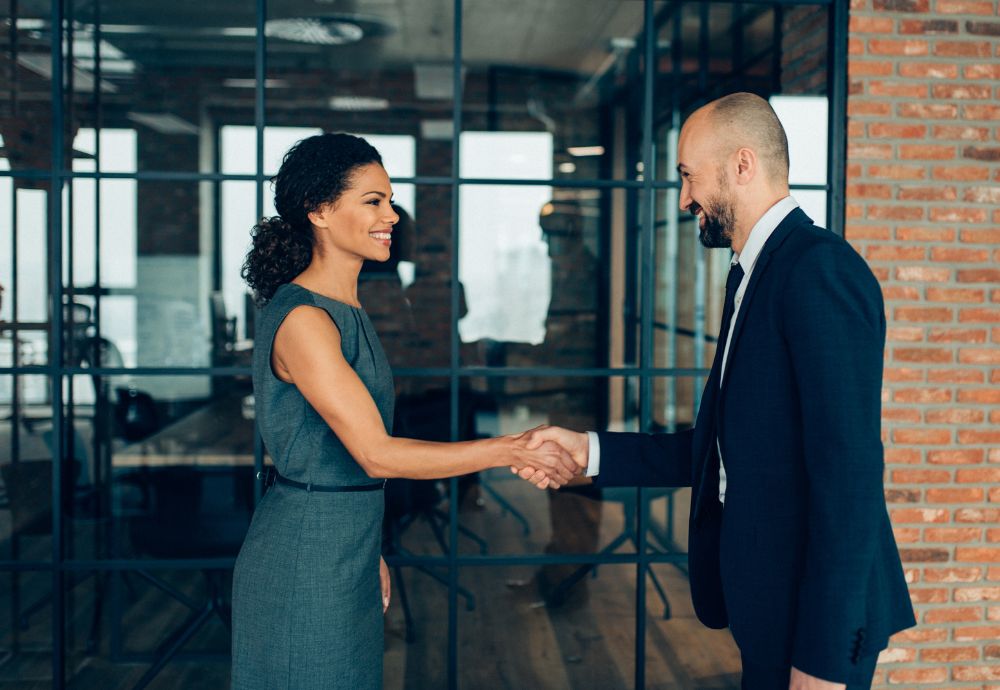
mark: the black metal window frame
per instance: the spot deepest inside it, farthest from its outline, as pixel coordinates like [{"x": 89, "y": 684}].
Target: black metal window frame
[{"x": 60, "y": 566}]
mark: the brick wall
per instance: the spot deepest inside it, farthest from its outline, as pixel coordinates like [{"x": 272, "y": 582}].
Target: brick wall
[{"x": 923, "y": 207}]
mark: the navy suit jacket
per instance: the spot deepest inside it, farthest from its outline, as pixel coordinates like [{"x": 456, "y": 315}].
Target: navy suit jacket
[{"x": 801, "y": 562}]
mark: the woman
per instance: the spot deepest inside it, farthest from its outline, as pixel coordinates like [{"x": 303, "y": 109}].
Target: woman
[{"x": 306, "y": 594}]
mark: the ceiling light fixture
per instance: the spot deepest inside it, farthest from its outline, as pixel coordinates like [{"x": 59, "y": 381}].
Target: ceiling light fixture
[
  {"x": 329, "y": 31},
  {"x": 580, "y": 151},
  {"x": 358, "y": 103}
]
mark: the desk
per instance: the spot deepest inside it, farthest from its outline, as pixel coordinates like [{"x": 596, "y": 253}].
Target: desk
[{"x": 213, "y": 435}]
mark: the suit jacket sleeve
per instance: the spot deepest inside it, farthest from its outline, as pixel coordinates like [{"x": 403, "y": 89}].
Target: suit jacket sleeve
[
  {"x": 834, "y": 326},
  {"x": 629, "y": 459}
]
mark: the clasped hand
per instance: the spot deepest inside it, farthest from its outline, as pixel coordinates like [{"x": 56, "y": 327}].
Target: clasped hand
[{"x": 550, "y": 456}]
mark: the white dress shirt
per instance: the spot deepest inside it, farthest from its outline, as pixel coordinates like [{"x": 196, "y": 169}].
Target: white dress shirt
[{"x": 747, "y": 259}]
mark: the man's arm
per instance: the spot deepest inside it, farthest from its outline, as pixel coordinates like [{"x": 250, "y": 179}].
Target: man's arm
[{"x": 834, "y": 325}]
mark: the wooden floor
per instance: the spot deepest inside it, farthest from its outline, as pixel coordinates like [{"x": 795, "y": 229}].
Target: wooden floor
[{"x": 511, "y": 639}]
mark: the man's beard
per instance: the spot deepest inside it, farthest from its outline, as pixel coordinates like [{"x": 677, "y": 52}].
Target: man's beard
[{"x": 720, "y": 219}]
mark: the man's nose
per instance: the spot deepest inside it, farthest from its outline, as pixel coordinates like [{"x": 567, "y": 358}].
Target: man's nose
[{"x": 684, "y": 200}]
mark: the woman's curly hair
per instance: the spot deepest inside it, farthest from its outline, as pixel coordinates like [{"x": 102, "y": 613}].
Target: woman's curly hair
[{"x": 314, "y": 172}]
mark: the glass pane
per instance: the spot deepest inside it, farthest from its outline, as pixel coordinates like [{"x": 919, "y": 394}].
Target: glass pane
[
  {"x": 24, "y": 323},
  {"x": 500, "y": 513},
  {"x": 380, "y": 70},
  {"x": 159, "y": 457},
  {"x": 706, "y": 50},
  {"x": 26, "y": 631},
  {"x": 680, "y": 651},
  {"x": 165, "y": 79},
  {"x": 555, "y": 90},
  {"x": 26, "y": 443},
  {"x": 25, "y": 88},
  {"x": 543, "y": 271},
  {"x": 585, "y": 641}
]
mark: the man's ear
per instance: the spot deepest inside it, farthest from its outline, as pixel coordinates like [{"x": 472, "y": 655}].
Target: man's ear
[{"x": 746, "y": 165}]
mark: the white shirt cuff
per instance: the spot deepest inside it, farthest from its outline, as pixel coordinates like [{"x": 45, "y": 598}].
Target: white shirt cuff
[{"x": 593, "y": 454}]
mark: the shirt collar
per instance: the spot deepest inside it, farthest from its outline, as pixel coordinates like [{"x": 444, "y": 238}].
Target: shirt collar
[{"x": 761, "y": 231}]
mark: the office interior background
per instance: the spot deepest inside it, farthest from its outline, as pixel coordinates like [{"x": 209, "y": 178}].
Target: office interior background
[{"x": 543, "y": 274}]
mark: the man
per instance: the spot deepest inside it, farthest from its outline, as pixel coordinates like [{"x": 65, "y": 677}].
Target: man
[{"x": 790, "y": 543}]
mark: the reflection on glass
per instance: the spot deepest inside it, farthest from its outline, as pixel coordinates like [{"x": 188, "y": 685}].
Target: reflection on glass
[
  {"x": 568, "y": 71},
  {"x": 416, "y": 631},
  {"x": 586, "y": 641},
  {"x": 26, "y": 632},
  {"x": 680, "y": 651},
  {"x": 542, "y": 272}
]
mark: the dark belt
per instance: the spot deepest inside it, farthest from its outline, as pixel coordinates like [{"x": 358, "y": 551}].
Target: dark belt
[{"x": 270, "y": 476}]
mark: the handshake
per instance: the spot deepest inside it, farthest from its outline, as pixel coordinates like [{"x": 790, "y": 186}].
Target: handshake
[{"x": 548, "y": 456}]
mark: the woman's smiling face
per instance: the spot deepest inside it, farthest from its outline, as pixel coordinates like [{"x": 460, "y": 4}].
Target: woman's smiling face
[{"x": 360, "y": 222}]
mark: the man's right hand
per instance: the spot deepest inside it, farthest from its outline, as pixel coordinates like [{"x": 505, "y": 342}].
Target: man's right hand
[{"x": 573, "y": 442}]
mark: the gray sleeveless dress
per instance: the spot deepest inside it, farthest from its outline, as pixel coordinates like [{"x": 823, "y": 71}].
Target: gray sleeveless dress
[{"x": 307, "y": 606}]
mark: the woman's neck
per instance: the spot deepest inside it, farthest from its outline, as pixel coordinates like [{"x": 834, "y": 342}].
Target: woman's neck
[{"x": 335, "y": 277}]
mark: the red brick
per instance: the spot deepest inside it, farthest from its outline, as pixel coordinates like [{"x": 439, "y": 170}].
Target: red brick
[
  {"x": 968, "y": 554},
  {"x": 902, "y": 495},
  {"x": 871, "y": 25},
  {"x": 908, "y": 335},
  {"x": 981, "y": 111},
  {"x": 908, "y": 47},
  {"x": 954, "y": 535},
  {"x": 979, "y": 275},
  {"x": 955, "y": 376},
  {"x": 962, "y": 49},
  {"x": 948, "y": 654},
  {"x": 964, "y": 7},
  {"x": 897, "y": 172},
  {"x": 961, "y": 91},
  {"x": 921, "y": 234},
  {"x": 983, "y": 71},
  {"x": 869, "y": 191},
  {"x": 856, "y": 151},
  {"x": 961, "y": 132},
  {"x": 939, "y": 294},
  {"x": 976, "y": 673},
  {"x": 977, "y": 515},
  {"x": 965, "y": 614},
  {"x": 928, "y": 111},
  {"x": 931, "y": 26},
  {"x": 956, "y": 335},
  {"x": 926, "y": 152},
  {"x": 983, "y": 29},
  {"x": 938, "y": 355},
  {"x": 867, "y": 232},
  {"x": 926, "y": 274},
  {"x": 928, "y": 70},
  {"x": 910, "y": 476},
  {"x": 958, "y": 215},
  {"x": 918, "y": 675},
  {"x": 966, "y": 173},
  {"x": 855, "y": 129},
  {"x": 975, "y": 436},
  {"x": 983, "y": 195},
  {"x": 860, "y": 108},
  {"x": 923, "y": 314},
  {"x": 895, "y": 89},
  {"x": 901, "y": 5},
  {"x": 897, "y": 655},
  {"x": 906, "y": 535},
  {"x": 983, "y": 236},
  {"x": 955, "y": 495},
  {"x": 902, "y": 456},
  {"x": 981, "y": 153},
  {"x": 900, "y": 293},
  {"x": 993, "y": 535},
  {"x": 901, "y": 414},
  {"x": 975, "y": 356},
  {"x": 921, "y": 634},
  {"x": 954, "y": 416},
  {"x": 959, "y": 254},
  {"x": 909, "y": 555},
  {"x": 953, "y": 575},
  {"x": 984, "y": 396},
  {"x": 923, "y": 595},
  {"x": 895, "y": 212},
  {"x": 976, "y": 315},
  {"x": 922, "y": 395},
  {"x": 967, "y": 456},
  {"x": 936, "y": 193},
  {"x": 988, "y": 632},
  {"x": 973, "y": 594},
  {"x": 923, "y": 515},
  {"x": 868, "y": 68},
  {"x": 977, "y": 475}
]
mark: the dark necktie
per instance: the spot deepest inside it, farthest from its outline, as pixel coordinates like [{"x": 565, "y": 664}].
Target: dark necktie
[{"x": 728, "y": 307}]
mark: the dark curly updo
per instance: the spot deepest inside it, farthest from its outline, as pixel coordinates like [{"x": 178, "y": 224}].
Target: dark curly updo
[{"x": 314, "y": 172}]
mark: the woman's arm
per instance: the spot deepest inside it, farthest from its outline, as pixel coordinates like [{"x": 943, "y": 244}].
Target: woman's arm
[{"x": 307, "y": 352}]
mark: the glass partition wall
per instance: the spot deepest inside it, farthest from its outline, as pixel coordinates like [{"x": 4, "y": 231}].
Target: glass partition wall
[{"x": 541, "y": 273}]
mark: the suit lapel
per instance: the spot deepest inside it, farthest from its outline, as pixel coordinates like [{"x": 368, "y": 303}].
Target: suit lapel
[{"x": 796, "y": 217}]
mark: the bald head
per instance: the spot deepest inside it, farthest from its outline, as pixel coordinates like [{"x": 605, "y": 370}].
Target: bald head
[{"x": 747, "y": 120}]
